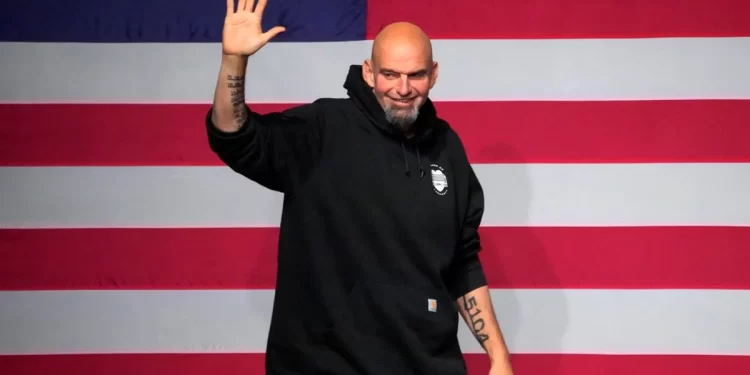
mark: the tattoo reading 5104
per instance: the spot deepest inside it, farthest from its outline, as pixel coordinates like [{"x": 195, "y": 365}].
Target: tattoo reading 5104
[{"x": 477, "y": 324}]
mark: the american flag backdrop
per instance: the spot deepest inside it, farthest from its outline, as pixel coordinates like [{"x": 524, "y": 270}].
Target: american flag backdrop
[{"x": 612, "y": 139}]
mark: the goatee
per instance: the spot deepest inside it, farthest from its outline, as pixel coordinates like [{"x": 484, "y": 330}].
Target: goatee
[{"x": 402, "y": 118}]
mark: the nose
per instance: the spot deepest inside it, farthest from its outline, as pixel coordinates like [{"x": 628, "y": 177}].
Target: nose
[{"x": 404, "y": 87}]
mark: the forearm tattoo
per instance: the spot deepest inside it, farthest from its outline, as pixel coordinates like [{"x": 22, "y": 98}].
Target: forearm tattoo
[
  {"x": 237, "y": 86},
  {"x": 477, "y": 323}
]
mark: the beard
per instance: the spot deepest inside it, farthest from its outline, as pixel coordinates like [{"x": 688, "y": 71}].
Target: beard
[{"x": 401, "y": 117}]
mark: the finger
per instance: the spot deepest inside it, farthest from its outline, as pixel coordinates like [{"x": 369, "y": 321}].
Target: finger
[
  {"x": 241, "y": 5},
  {"x": 261, "y": 6},
  {"x": 230, "y": 7},
  {"x": 270, "y": 34}
]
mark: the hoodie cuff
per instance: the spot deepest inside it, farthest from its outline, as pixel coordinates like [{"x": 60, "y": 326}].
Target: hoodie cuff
[
  {"x": 214, "y": 132},
  {"x": 469, "y": 277}
]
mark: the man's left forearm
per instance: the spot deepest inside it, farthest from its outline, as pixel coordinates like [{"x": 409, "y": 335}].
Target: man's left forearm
[{"x": 477, "y": 311}]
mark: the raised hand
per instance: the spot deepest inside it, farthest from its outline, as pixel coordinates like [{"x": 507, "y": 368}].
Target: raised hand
[{"x": 243, "y": 34}]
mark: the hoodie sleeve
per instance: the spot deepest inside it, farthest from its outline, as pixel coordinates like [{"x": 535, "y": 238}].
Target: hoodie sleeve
[
  {"x": 277, "y": 150},
  {"x": 466, "y": 273}
]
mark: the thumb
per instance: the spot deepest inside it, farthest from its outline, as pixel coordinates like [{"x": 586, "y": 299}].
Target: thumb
[{"x": 270, "y": 34}]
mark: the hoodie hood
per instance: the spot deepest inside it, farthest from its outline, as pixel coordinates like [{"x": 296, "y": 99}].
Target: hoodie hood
[{"x": 364, "y": 98}]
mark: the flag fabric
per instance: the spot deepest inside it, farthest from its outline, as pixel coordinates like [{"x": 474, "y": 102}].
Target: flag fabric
[{"x": 612, "y": 140}]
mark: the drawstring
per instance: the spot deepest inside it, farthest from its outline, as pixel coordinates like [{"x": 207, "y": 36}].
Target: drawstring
[
  {"x": 419, "y": 162},
  {"x": 406, "y": 162}
]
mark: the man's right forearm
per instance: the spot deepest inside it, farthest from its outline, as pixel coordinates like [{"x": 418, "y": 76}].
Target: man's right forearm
[{"x": 230, "y": 110}]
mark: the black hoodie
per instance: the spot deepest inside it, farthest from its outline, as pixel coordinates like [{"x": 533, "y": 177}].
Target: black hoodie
[{"x": 378, "y": 235}]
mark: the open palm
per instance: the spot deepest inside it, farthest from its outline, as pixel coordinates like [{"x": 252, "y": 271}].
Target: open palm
[{"x": 243, "y": 34}]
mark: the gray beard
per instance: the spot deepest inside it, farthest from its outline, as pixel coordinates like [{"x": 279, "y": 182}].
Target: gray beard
[{"x": 400, "y": 118}]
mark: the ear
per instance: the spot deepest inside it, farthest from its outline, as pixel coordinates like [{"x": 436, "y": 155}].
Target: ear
[
  {"x": 433, "y": 74},
  {"x": 368, "y": 73}
]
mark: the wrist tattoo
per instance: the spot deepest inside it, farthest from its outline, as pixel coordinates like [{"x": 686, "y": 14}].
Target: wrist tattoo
[
  {"x": 236, "y": 84},
  {"x": 477, "y": 323}
]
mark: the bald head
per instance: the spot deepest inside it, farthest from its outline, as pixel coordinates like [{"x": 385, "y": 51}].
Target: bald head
[
  {"x": 401, "y": 39},
  {"x": 401, "y": 72}
]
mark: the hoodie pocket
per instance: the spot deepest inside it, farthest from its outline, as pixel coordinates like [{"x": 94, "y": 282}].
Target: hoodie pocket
[{"x": 388, "y": 327}]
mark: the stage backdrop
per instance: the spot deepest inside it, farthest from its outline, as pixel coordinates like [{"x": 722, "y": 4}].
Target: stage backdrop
[{"x": 612, "y": 139}]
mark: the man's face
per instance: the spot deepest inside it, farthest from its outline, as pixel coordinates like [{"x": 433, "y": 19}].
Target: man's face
[{"x": 401, "y": 77}]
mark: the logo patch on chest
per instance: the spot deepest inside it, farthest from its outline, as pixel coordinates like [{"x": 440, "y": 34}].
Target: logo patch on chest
[{"x": 439, "y": 179}]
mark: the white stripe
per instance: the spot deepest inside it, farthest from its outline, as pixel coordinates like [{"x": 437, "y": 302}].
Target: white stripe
[
  {"x": 576, "y": 69},
  {"x": 516, "y": 195},
  {"x": 534, "y": 321}
]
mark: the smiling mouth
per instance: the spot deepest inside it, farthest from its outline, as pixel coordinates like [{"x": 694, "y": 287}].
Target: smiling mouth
[{"x": 403, "y": 100}]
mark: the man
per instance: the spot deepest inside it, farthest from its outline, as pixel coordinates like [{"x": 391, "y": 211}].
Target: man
[{"x": 378, "y": 245}]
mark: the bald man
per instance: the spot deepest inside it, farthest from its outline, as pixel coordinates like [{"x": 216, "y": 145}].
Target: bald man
[{"x": 378, "y": 247}]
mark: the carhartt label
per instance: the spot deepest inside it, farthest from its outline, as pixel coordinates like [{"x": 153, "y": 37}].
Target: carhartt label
[{"x": 431, "y": 305}]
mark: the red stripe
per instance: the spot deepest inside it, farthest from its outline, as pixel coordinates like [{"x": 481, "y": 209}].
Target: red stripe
[
  {"x": 493, "y": 132},
  {"x": 564, "y": 18},
  {"x": 252, "y": 363},
  {"x": 138, "y": 258},
  {"x": 604, "y": 131},
  {"x": 617, "y": 257},
  {"x": 536, "y": 257}
]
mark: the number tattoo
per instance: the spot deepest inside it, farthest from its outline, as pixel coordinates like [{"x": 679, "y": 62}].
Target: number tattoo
[
  {"x": 237, "y": 84},
  {"x": 477, "y": 324}
]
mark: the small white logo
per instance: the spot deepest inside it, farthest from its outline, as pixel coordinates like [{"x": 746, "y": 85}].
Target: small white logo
[
  {"x": 431, "y": 305},
  {"x": 439, "y": 180}
]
